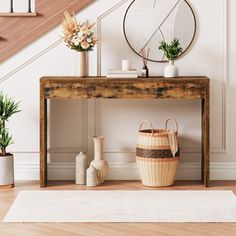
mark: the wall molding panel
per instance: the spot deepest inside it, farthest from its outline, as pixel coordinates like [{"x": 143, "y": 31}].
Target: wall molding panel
[{"x": 225, "y": 82}]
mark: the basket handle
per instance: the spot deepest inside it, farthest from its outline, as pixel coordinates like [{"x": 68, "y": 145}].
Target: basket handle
[
  {"x": 176, "y": 123},
  {"x": 147, "y": 122}
]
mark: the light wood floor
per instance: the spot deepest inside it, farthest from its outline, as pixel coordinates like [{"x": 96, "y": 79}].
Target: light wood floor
[{"x": 7, "y": 196}]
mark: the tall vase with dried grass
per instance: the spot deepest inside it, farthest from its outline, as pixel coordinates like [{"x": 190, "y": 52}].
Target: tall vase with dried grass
[
  {"x": 145, "y": 56},
  {"x": 80, "y": 37}
]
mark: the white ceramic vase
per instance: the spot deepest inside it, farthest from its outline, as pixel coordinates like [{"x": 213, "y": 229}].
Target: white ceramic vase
[
  {"x": 81, "y": 165},
  {"x": 83, "y": 64},
  {"x": 7, "y": 171},
  {"x": 171, "y": 70},
  {"x": 91, "y": 177},
  {"x": 98, "y": 163}
]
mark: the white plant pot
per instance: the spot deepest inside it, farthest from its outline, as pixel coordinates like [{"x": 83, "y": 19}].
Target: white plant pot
[
  {"x": 21, "y": 6},
  {"x": 171, "y": 70},
  {"x": 5, "y": 6},
  {"x": 7, "y": 171}
]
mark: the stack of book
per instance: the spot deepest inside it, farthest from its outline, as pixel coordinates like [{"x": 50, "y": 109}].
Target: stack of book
[{"x": 122, "y": 74}]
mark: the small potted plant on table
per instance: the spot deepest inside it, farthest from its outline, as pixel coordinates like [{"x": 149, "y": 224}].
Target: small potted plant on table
[
  {"x": 8, "y": 107},
  {"x": 171, "y": 52}
]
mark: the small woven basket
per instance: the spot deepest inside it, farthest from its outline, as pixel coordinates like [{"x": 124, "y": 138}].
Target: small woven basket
[{"x": 157, "y": 155}]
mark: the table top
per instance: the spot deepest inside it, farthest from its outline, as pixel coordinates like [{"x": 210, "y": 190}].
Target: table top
[
  {"x": 102, "y": 79},
  {"x": 69, "y": 87}
]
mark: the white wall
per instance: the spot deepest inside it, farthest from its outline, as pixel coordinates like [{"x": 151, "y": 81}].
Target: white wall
[{"x": 73, "y": 123}]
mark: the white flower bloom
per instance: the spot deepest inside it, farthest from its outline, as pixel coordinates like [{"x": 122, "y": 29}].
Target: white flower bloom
[
  {"x": 89, "y": 40},
  {"x": 80, "y": 34},
  {"x": 76, "y": 43}
]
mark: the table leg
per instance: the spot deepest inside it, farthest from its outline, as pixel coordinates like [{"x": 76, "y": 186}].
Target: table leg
[
  {"x": 206, "y": 139},
  {"x": 43, "y": 138}
]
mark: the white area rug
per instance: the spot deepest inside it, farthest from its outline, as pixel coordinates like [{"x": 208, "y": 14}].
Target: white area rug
[{"x": 123, "y": 206}]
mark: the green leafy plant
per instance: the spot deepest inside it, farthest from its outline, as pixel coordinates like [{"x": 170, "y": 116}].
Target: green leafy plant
[
  {"x": 8, "y": 107},
  {"x": 171, "y": 50}
]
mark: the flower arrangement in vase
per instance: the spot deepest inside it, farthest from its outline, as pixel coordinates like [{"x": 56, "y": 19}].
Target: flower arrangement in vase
[
  {"x": 171, "y": 52},
  {"x": 79, "y": 37}
]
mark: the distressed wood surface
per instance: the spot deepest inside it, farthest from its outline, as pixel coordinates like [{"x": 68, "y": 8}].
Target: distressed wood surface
[
  {"x": 43, "y": 138},
  {"x": 192, "y": 87},
  {"x": 205, "y": 140},
  {"x": 101, "y": 87}
]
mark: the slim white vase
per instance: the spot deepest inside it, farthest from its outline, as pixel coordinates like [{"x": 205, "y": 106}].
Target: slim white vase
[
  {"x": 98, "y": 163},
  {"x": 171, "y": 70},
  {"x": 81, "y": 165},
  {"x": 83, "y": 64},
  {"x": 6, "y": 171}
]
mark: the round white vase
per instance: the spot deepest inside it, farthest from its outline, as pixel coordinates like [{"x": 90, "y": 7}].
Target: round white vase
[
  {"x": 171, "y": 70},
  {"x": 98, "y": 163},
  {"x": 6, "y": 171}
]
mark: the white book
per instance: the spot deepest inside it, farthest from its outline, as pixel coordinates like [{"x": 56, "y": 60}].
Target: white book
[
  {"x": 122, "y": 75},
  {"x": 122, "y": 72}
]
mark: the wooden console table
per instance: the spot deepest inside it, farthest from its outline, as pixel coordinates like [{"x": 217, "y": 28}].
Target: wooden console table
[{"x": 101, "y": 87}]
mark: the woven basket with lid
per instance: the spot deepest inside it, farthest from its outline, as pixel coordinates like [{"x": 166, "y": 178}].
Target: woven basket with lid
[{"x": 157, "y": 155}]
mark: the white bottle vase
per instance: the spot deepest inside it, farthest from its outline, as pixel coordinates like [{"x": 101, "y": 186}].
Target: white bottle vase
[
  {"x": 81, "y": 165},
  {"x": 98, "y": 163},
  {"x": 91, "y": 177},
  {"x": 171, "y": 70},
  {"x": 83, "y": 64}
]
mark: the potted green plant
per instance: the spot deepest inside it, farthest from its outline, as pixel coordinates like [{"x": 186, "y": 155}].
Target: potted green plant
[
  {"x": 8, "y": 107},
  {"x": 171, "y": 52}
]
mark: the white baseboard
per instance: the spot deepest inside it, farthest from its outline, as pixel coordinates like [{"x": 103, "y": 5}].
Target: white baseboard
[{"x": 128, "y": 171}]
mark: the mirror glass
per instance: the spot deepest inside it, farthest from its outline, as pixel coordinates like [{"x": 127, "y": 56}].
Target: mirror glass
[{"x": 148, "y": 22}]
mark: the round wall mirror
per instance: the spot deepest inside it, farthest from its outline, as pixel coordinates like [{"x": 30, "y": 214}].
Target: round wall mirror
[{"x": 148, "y": 22}]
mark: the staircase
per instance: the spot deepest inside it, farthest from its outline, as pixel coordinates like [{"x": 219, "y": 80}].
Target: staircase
[{"x": 18, "y": 32}]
